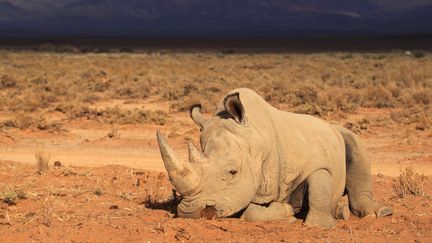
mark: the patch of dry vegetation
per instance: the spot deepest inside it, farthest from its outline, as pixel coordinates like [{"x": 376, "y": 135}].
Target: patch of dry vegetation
[
  {"x": 12, "y": 195},
  {"x": 421, "y": 116},
  {"x": 119, "y": 116},
  {"x": 409, "y": 183},
  {"x": 114, "y": 133},
  {"x": 32, "y": 121},
  {"x": 42, "y": 160},
  {"x": 318, "y": 84},
  {"x": 358, "y": 126}
]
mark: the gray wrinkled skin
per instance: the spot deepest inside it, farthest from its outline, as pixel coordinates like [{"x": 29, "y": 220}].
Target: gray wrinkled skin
[{"x": 257, "y": 158}]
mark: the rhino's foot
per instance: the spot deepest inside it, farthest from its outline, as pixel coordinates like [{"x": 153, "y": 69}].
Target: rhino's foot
[
  {"x": 320, "y": 219},
  {"x": 384, "y": 211},
  {"x": 343, "y": 212},
  {"x": 380, "y": 211},
  {"x": 276, "y": 211},
  {"x": 374, "y": 209},
  {"x": 342, "y": 209}
]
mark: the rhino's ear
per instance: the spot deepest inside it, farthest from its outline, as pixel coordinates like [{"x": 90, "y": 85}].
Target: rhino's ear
[
  {"x": 234, "y": 107},
  {"x": 197, "y": 117}
]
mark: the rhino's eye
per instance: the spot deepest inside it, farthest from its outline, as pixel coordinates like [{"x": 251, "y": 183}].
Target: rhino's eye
[{"x": 231, "y": 175}]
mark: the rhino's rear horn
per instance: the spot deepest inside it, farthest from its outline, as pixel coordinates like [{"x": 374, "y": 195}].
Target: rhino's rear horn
[
  {"x": 197, "y": 117},
  {"x": 184, "y": 176},
  {"x": 195, "y": 155}
]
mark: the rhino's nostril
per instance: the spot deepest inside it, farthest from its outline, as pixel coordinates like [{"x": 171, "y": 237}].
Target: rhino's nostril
[{"x": 209, "y": 212}]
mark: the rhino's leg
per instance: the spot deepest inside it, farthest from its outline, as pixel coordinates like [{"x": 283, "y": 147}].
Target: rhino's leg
[
  {"x": 275, "y": 211},
  {"x": 358, "y": 178},
  {"x": 320, "y": 192}
]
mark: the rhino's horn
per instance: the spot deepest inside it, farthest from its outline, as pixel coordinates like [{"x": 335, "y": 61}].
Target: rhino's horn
[
  {"x": 195, "y": 155},
  {"x": 183, "y": 176}
]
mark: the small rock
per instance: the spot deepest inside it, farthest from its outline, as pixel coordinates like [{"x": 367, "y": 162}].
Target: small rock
[
  {"x": 138, "y": 182},
  {"x": 114, "y": 207}
]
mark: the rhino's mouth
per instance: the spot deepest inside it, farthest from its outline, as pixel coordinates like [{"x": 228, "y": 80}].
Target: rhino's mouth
[
  {"x": 204, "y": 209},
  {"x": 208, "y": 209}
]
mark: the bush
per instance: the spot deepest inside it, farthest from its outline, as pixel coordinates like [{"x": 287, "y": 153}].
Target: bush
[
  {"x": 409, "y": 183},
  {"x": 418, "y": 54},
  {"x": 7, "y": 81},
  {"x": 98, "y": 192},
  {"x": 347, "y": 56},
  {"x": 422, "y": 97},
  {"x": 357, "y": 126},
  {"x": 42, "y": 160},
  {"x": 119, "y": 116},
  {"x": 11, "y": 196},
  {"x": 379, "y": 97},
  {"x": 39, "y": 122},
  {"x": 46, "y": 47},
  {"x": 66, "y": 49},
  {"x": 422, "y": 118},
  {"x": 126, "y": 50},
  {"x": 63, "y": 48}
]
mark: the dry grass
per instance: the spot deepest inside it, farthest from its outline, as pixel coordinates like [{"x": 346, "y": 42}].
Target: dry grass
[
  {"x": 98, "y": 192},
  {"x": 42, "y": 160},
  {"x": 409, "y": 183},
  {"x": 119, "y": 116},
  {"x": 318, "y": 84},
  {"x": 358, "y": 126},
  {"x": 32, "y": 121},
  {"x": 7, "y": 81},
  {"x": 114, "y": 133},
  {"x": 421, "y": 116},
  {"x": 11, "y": 196}
]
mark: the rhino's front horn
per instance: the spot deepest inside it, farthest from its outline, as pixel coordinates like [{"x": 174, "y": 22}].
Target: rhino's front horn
[{"x": 183, "y": 176}]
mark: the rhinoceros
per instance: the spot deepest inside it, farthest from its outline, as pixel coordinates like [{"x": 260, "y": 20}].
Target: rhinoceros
[{"x": 267, "y": 164}]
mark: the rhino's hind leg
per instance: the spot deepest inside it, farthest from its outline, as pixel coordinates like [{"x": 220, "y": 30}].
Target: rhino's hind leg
[
  {"x": 320, "y": 191},
  {"x": 275, "y": 211},
  {"x": 358, "y": 179}
]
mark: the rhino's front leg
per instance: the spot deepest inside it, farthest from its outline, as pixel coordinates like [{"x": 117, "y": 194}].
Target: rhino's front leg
[
  {"x": 320, "y": 191},
  {"x": 275, "y": 211}
]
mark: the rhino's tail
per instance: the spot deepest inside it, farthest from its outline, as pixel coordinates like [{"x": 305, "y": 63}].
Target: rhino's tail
[{"x": 358, "y": 178}]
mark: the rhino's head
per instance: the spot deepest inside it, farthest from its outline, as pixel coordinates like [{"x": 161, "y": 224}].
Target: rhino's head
[{"x": 222, "y": 178}]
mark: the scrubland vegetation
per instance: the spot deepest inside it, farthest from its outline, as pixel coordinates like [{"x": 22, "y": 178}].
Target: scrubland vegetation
[
  {"x": 409, "y": 183},
  {"x": 34, "y": 85}
]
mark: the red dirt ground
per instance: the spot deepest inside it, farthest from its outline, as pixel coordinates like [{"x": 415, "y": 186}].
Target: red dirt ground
[{"x": 111, "y": 190}]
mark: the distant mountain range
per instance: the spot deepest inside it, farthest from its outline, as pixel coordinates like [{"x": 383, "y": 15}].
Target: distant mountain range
[{"x": 176, "y": 18}]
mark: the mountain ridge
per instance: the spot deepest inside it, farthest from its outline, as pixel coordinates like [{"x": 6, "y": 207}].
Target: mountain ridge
[{"x": 208, "y": 18}]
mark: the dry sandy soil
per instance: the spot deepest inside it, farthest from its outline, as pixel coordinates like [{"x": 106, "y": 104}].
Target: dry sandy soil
[{"x": 110, "y": 184}]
